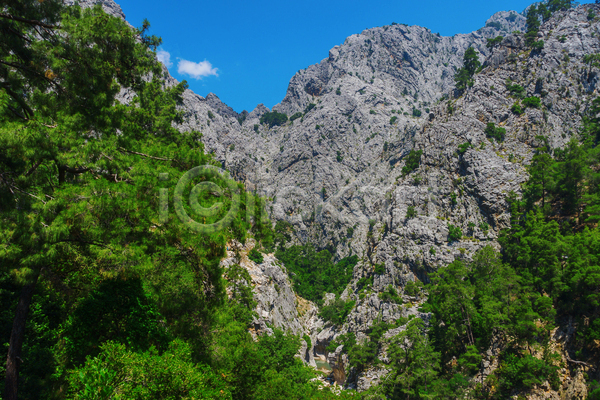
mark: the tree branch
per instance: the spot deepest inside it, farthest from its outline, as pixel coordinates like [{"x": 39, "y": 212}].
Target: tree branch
[
  {"x": 29, "y": 21},
  {"x": 144, "y": 155}
]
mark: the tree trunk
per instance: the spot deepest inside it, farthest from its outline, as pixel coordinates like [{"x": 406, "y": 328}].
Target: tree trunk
[{"x": 16, "y": 340}]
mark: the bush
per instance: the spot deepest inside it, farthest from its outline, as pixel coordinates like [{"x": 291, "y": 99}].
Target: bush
[
  {"x": 380, "y": 269},
  {"x": 296, "y": 116},
  {"x": 307, "y": 340},
  {"x": 491, "y": 43},
  {"x": 515, "y": 90},
  {"x": 454, "y": 233},
  {"x": 364, "y": 281},
  {"x": 411, "y": 289},
  {"x": 309, "y": 107},
  {"x": 411, "y": 212},
  {"x": 516, "y": 109},
  {"x": 533, "y": 102},
  {"x": 393, "y": 119},
  {"x": 273, "y": 118},
  {"x": 492, "y": 132},
  {"x": 412, "y": 162},
  {"x": 453, "y": 199},
  {"x": 416, "y": 113},
  {"x": 337, "y": 311},
  {"x": 462, "y": 148},
  {"x": 390, "y": 295},
  {"x": 256, "y": 256},
  {"x": 339, "y": 157}
]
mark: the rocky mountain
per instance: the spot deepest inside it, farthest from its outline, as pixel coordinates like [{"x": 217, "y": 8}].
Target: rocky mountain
[{"x": 334, "y": 170}]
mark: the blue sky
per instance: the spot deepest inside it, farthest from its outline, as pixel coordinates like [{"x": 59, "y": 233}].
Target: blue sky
[{"x": 246, "y": 52}]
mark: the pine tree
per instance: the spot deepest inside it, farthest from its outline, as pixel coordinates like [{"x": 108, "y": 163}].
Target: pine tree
[{"x": 464, "y": 76}]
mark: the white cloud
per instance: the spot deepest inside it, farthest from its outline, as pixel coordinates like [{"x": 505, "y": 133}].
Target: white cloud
[
  {"x": 164, "y": 57},
  {"x": 196, "y": 70}
]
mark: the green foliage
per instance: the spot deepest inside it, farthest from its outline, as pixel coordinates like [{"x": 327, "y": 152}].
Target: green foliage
[
  {"x": 411, "y": 212},
  {"x": 412, "y": 162},
  {"x": 390, "y": 294},
  {"x": 416, "y": 112},
  {"x": 314, "y": 273},
  {"x": 491, "y": 43},
  {"x": 462, "y": 148},
  {"x": 516, "y": 109},
  {"x": 464, "y": 76},
  {"x": 339, "y": 157},
  {"x": 533, "y": 102},
  {"x": 412, "y": 289},
  {"x": 393, "y": 120},
  {"x": 523, "y": 372},
  {"x": 296, "y": 116},
  {"x": 454, "y": 233},
  {"x": 337, "y": 311},
  {"x": 496, "y": 133},
  {"x": 307, "y": 340},
  {"x": 256, "y": 256},
  {"x": 309, "y": 107},
  {"x": 364, "y": 282},
  {"x": 379, "y": 269},
  {"x": 118, "y": 372},
  {"x": 515, "y": 89},
  {"x": 273, "y": 118},
  {"x": 453, "y": 200},
  {"x": 533, "y": 25}
]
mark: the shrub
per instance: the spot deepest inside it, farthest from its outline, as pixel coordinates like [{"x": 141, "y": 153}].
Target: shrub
[
  {"x": 492, "y": 132},
  {"x": 412, "y": 162},
  {"x": 515, "y": 90},
  {"x": 256, "y": 128},
  {"x": 256, "y": 256},
  {"x": 338, "y": 91},
  {"x": 380, "y": 269},
  {"x": 416, "y": 113},
  {"x": 393, "y": 119},
  {"x": 516, "y": 109},
  {"x": 432, "y": 251},
  {"x": 462, "y": 148},
  {"x": 454, "y": 233},
  {"x": 485, "y": 227},
  {"x": 339, "y": 157},
  {"x": 337, "y": 311},
  {"x": 411, "y": 289},
  {"x": 309, "y": 107},
  {"x": 372, "y": 112},
  {"x": 411, "y": 212},
  {"x": 390, "y": 295},
  {"x": 364, "y": 281},
  {"x": 211, "y": 115},
  {"x": 307, "y": 340},
  {"x": 273, "y": 118},
  {"x": 491, "y": 43},
  {"x": 453, "y": 199},
  {"x": 350, "y": 232},
  {"x": 533, "y": 102},
  {"x": 296, "y": 116}
]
